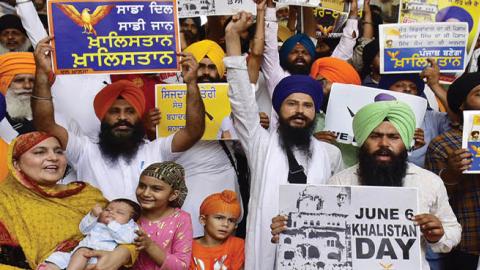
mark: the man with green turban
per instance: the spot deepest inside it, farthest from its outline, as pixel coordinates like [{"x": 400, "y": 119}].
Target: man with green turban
[{"x": 384, "y": 132}]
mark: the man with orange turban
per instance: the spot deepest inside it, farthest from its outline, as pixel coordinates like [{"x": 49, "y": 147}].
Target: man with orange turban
[
  {"x": 329, "y": 70},
  {"x": 17, "y": 75},
  {"x": 115, "y": 161}
]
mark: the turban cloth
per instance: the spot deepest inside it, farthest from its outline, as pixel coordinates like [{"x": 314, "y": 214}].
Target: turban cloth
[
  {"x": 3, "y": 107},
  {"x": 11, "y": 21},
  {"x": 371, "y": 116},
  {"x": 27, "y": 141},
  {"x": 297, "y": 84},
  {"x": 172, "y": 174},
  {"x": 123, "y": 88},
  {"x": 224, "y": 202},
  {"x": 290, "y": 43},
  {"x": 388, "y": 80},
  {"x": 210, "y": 49},
  {"x": 12, "y": 64},
  {"x": 335, "y": 70},
  {"x": 457, "y": 13},
  {"x": 458, "y": 91}
]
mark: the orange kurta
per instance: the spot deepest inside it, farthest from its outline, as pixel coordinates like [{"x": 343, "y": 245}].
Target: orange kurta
[{"x": 229, "y": 255}]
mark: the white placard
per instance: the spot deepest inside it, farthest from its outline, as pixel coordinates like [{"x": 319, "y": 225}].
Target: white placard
[
  {"x": 349, "y": 228},
  {"x": 471, "y": 138},
  {"x": 345, "y": 100},
  {"x": 195, "y": 8}
]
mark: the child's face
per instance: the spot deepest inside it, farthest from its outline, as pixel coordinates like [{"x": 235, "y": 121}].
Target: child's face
[
  {"x": 154, "y": 194},
  {"x": 219, "y": 226},
  {"x": 118, "y": 211}
]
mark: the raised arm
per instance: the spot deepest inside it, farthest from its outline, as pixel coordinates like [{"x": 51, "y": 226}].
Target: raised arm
[
  {"x": 344, "y": 49},
  {"x": 30, "y": 21},
  {"x": 41, "y": 100},
  {"x": 195, "y": 114},
  {"x": 256, "y": 54}
]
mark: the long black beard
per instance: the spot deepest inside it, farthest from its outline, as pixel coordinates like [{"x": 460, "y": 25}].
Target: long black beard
[
  {"x": 302, "y": 70},
  {"x": 374, "y": 173},
  {"x": 291, "y": 137},
  {"x": 114, "y": 147}
]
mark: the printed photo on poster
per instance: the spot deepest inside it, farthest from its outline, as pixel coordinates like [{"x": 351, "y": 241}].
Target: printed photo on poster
[
  {"x": 348, "y": 228},
  {"x": 113, "y": 36},
  {"x": 471, "y": 138},
  {"x": 195, "y": 8}
]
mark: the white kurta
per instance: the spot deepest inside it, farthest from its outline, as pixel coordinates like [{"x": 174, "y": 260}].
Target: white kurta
[
  {"x": 268, "y": 164},
  {"x": 207, "y": 170},
  {"x": 433, "y": 199}
]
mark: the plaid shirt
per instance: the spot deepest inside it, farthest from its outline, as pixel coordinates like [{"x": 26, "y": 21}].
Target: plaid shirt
[{"x": 465, "y": 196}]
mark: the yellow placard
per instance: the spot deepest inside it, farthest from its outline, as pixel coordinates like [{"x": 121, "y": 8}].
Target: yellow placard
[
  {"x": 412, "y": 11},
  {"x": 171, "y": 101}
]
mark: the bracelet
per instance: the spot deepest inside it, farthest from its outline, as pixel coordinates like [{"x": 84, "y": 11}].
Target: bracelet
[
  {"x": 22, "y": 2},
  {"x": 41, "y": 98},
  {"x": 367, "y": 23}
]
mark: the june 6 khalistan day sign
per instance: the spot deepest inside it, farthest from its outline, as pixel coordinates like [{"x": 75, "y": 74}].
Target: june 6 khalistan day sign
[
  {"x": 348, "y": 228},
  {"x": 111, "y": 36}
]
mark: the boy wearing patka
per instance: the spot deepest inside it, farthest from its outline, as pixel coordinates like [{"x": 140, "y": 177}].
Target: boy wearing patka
[{"x": 218, "y": 248}]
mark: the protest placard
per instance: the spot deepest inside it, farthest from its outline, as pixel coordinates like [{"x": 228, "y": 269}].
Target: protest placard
[
  {"x": 114, "y": 36},
  {"x": 346, "y": 99},
  {"x": 348, "y": 228},
  {"x": 405, "y": 48},
  {"x": 471, "y": 138},
  {"x": 171, "y": 101},
  {"x": 195, "y": 8},
  {"x": 415, "y": 11}
]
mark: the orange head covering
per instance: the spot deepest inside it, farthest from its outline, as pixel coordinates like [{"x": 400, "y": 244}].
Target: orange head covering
[
  {"x": 26, "y": 141},
  {"x": 122, "y": 88},
  {"x": 12, "y": 64},
  {"x": 210, "y": 49},
  {"x": 335, "y": 70},
  {"x": 225, "y": 202}
]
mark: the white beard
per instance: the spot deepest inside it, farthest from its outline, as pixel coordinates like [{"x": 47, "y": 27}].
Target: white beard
[
  {"x": 23, "y": 48},
  {"x": 18, "y": 107}
]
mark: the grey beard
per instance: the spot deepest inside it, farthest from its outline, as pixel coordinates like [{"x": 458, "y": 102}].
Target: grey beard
[{"x": 18, "y": 108}]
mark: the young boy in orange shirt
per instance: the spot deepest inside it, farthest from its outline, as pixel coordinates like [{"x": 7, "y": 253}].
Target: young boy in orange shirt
[{"x": 218, "y": 249}]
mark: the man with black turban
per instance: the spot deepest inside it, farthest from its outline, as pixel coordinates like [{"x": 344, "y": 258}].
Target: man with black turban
[{"x": 446, "y": 158}]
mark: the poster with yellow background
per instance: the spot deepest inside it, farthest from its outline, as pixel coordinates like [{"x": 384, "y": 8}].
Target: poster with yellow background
[
  {"x": 412, "y": 11},
  {"x": 171, "y": 101}
]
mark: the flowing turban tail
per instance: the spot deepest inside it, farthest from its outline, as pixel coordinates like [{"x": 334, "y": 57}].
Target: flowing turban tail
[
  {"x": 27, "y": 141},
  {"x": 290, "y": 43},
  {"x": 224, "y": 202},
  {"x": 12, "y": 64},
  {"x": 387, "y": 80},
  {"x": 335, "y": 70},
  {"x": 210, "y": 49},
  {"x": 371, "y": 116},
  {"x": 458, "y": 91},
  {"x": 122, "y": 88},
  {"x": 297, "y": 84},
  {"x": 172, "y": 174}
]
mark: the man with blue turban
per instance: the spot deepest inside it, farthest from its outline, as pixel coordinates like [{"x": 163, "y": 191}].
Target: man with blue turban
[
  {"x": 384, "y": 131},
  {"x": 287, "y": 155}
]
